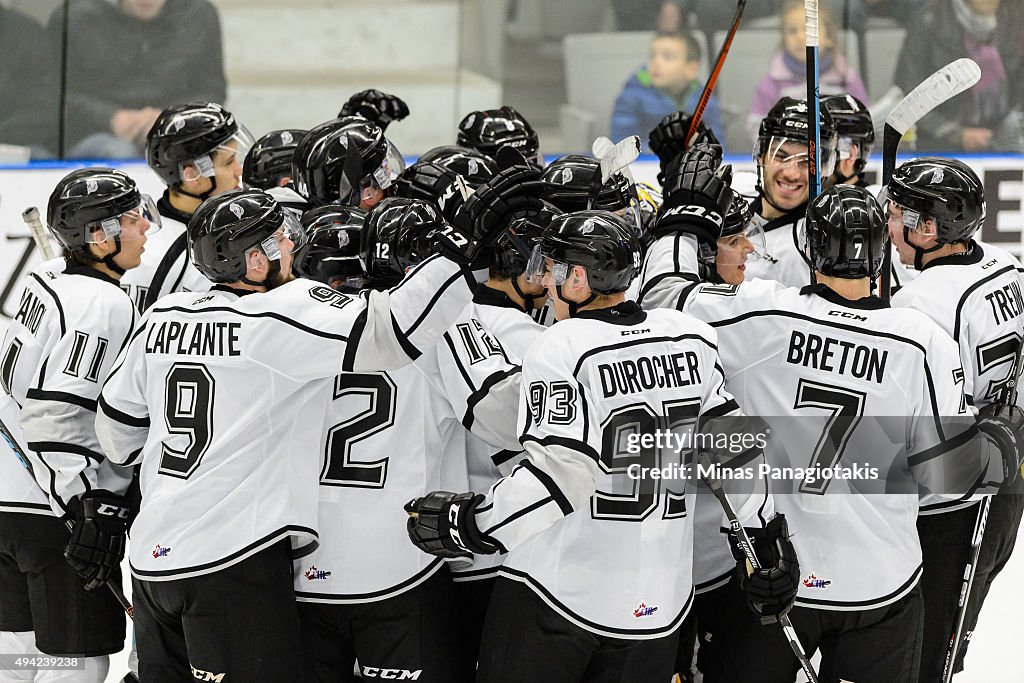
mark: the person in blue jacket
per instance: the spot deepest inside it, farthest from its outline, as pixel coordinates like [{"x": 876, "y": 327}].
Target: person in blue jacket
[{"x": 666, "y": 83}]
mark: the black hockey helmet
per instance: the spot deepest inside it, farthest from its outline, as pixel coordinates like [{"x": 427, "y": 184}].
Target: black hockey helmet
[
  {"x": 186, "y": 135},
  {"x": 476, "y": 167},
  {"x": 489, "y": 130},
  {"x": 397, "y": 235},
  {"x": 787, "y": 121},
  {"x": 224, "y": 228},
  {"x": 270, "y": 159},
  {"x": 331, "y": 250},
  {"x": 600, "y": 241},
  {"x": 853, "y": 125},
  {"x": 334, "y": 161},
  {"x": 514, "y": 246},
  {"x": 739, "y": 217},
  {"x": 567, "y": 184},
  {"x": 845, "y": 234},
  {"x": 947, "y": 190},
  {"x": 90, "y": 199}
]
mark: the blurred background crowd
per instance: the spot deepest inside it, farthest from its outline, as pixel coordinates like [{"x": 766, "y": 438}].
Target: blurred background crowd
[{"x": 87, "y": 78}]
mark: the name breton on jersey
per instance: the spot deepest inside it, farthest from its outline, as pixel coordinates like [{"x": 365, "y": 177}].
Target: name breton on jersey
[
  {"x": 634, "y": 375},
  {"x": 837, "y": 355},
  {"x": 194, "y": 338}
]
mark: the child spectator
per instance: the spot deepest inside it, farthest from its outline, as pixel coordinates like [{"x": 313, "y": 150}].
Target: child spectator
[
  {"x": 787, "y": 70},
  {"x": 667, "y": 83}
]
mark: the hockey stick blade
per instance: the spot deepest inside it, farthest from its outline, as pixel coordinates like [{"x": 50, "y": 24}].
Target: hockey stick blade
[{"x": 618, "y": 156}]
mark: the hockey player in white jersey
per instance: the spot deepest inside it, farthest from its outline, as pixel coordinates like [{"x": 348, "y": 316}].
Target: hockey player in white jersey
[
  {"x": 935, "y": 206},
  {"x": 389, "y": 437},
  {"x": 347, "y": 161},
  {"x": 331, "y": 252},
  {"x": 58, "y": 350},
  {"x": 792, "y": 352},
  {"x": 197, "y": 150},
  {"x": 218, "y": 397},
  {"x": 597, "y": 579}
]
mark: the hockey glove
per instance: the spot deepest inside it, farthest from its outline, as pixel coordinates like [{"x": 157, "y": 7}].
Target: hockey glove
[
  {"x": 668, "y": 139},
  {"x": 376, "y": 106},
  {"x": 1004, "y": 425},
  {"x": 697, "y": 195},
  {"x": 433, "y": 183},
  {"x": 771, "y": 590},
  {"x": 479, "y": 221},
  {"x": 442, "y": 523},
  {"x": 99, "y": 525}
]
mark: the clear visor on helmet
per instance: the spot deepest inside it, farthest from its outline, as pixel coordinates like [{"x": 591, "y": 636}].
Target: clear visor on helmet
[
  {"x": 145, "y": 214},
  {"x": 742, "y": 247},
  {"x": 225, "y": 155},
  {"x": 845, "y": 146},
  {"x": 899, "y": 216},
  {"x": 539, "y": 266},
  {"x": 380, "y": 178},
  {"x": 783, "y": 152},
  {"x": 286, "y": 239},
  {"x": 633, "y": 216}
]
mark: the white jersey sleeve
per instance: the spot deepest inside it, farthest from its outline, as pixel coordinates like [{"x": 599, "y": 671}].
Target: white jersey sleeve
[{"x": 670, "y": 271}]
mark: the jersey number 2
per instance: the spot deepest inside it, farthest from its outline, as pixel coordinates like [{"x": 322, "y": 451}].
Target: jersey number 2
[{"x": 340, "y": 468}]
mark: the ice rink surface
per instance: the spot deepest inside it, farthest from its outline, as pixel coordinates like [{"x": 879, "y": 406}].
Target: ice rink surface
[{"x": 993, "y": 656}]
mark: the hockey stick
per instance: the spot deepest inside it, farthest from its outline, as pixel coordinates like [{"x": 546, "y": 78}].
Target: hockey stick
[
  {"x": 747, "y": 548},
  {"x": 813, "y": 103},
  {"x": 39, "y": 236},
  {"x": 944, "y": 84},
  {"x": 613, "y": 158},
  {"x": 1009, "y": 398},
  {"x": 709, "y": 87}
]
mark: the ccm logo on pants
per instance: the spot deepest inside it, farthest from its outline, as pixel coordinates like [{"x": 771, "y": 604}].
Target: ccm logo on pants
[
  {"x": 201, "y": 675},
  {"x": 391, "y": 674}
]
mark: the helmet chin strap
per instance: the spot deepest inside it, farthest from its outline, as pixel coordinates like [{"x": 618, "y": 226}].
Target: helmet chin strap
[
  {"x": 528, "y": 299},
  {"x": 202, "y": 196},
  {"x": 268, "y": 282},
  {"x": 918, "y": 251},
  {"x": 574, "y": 306},
  {"x": 108, "y": 260}
]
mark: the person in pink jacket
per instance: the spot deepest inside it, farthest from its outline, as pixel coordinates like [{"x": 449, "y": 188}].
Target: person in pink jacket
[{"x": 787, "y": 75}]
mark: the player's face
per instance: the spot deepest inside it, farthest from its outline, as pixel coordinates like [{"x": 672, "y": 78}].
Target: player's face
[
  {"x": 785, "y": 175},
  {"x": 227, "y": 168},
  {"x": 731, "y": 258},
  {"x": 369, "y": 197},
  {"x": 923, "y": 237},
  {"x": 574, "y": 288}
]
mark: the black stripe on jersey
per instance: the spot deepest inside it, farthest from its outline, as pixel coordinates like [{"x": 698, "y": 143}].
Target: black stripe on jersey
[
  {"x": 356, "y": 331},
  {"x": 124, "y": 418},
  {"x": 723, "y": 409},
  {"x": 895, "y": 595},
  {"x": 422, "y": 263},
  {"x": 64, "y": 447},
  {"x": 458, "y": 362},
  {"x": 28, "y": 508},
  {"x": 176, "y": 249},
  {"x": 61, "y": 397},
  {"x": 712, "y": 584},
  {"x": 573, "y": 444},
  {"x": 536, "y": 505},
  {"x": 132, "y": 458},
  {"x": 53, "y": 483},
  {"x": 433, "y": 300},
  {"x": 238, "y": 555},
  {"x": 556, "y": 493},
  {"x": 556, "y": 604},
  {"x": 137, "y": 332},
  {"x": 969, "y": 291},
  {"x": 482, "y": 393},
  {"x": 265, "y": 314},
  {"x": 502, "y": 457},
  {"x": 390, "y": 592},
  {"x": 403, "y": 340},
  {"x": 944, "y": 446},
  {"x": 56, "y": 301},
  {"x": 657, "y": 279}
]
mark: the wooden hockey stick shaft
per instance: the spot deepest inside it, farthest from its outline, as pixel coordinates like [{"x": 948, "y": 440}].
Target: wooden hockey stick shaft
[
  {"x": 716, "y": 70},
  {"x": 747, "y": 548}
]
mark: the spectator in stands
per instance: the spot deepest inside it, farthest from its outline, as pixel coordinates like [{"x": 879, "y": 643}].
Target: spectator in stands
[
  {"x": 787, "y": 70},
  {"x": 988, "y": 116},
  {"x": 28, "y": 107},
  {"x": 129, "y": 59},
  {"x": 667, "y": 83}
]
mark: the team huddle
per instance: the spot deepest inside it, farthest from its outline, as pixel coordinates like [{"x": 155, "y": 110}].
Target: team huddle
[{"x": 305, "y": 355}]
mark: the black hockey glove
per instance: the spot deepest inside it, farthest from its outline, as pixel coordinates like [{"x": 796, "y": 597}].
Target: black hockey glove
[
  {"x": 376, "y": 106},
  {"x": 481, "y": 218},
  {"x": 697, "y": 195},
  {"x": 433, "y": 183},
  {"x": 441, "y": 523},
  {"x": 771, "y": 590},
  {"x": 668, "y": 139},
  {"x": 99, "y": 524},
  {"x": 1004, "y": 425}
]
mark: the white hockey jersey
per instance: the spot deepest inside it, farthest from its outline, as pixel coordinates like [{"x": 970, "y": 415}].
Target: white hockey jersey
[
  {"x": 165, "y": 266},
  {"x": 390, "y": 438},
  {"x": 781, "y": 261},
  {"x": 59, "y": 348},
  {"x": 835, "y": 364},
  {"x": 976, "y": 298},
  {"x": 221, "y": 398},
  {"x": 610, "y": 553}
]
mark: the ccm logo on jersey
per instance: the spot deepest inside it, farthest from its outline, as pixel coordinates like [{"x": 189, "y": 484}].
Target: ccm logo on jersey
[
  {"x": 698, "y": 211},
  {"x": 848, "y": 315},
  {"x": 201, "y": 675},
  {"x": 391, "y": 674},
  {"x": 629, "y": 333}
]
